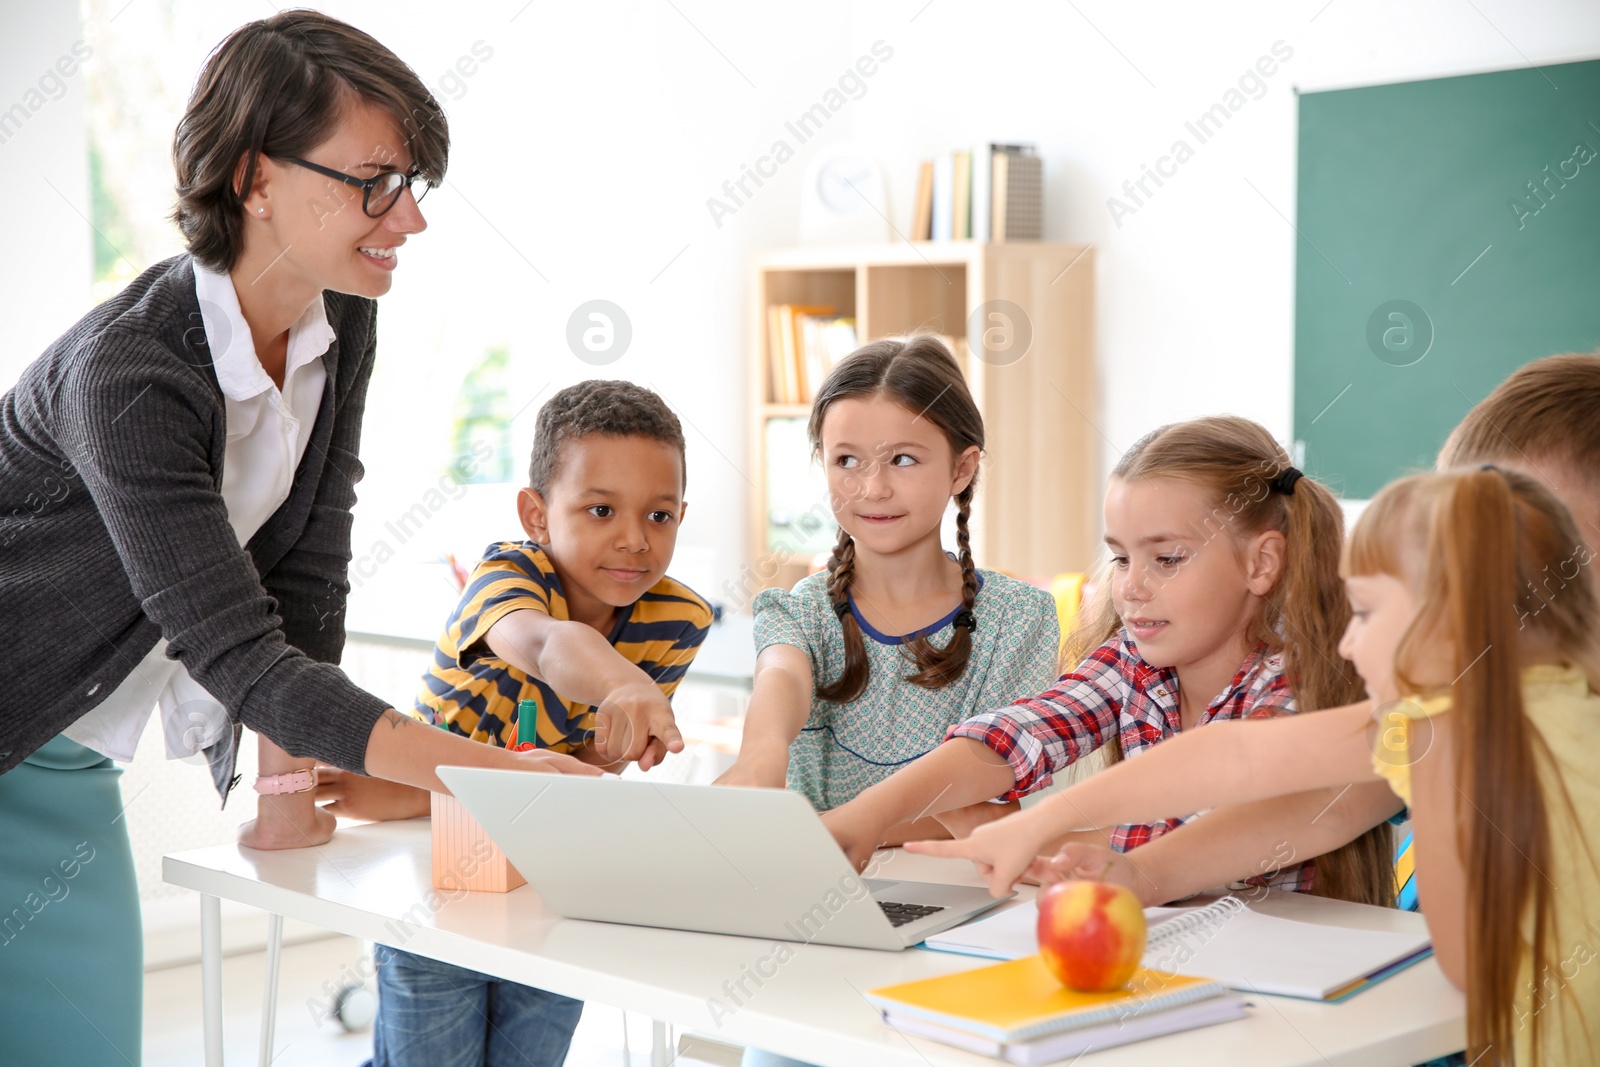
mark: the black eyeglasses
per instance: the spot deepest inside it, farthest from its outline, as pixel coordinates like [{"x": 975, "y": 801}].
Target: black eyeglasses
[{"x": 378, "y": 194}]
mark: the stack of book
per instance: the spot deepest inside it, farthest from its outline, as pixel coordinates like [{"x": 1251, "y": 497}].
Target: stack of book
[
  {"x": 992, "y": 193},
  {"x": 1021, "y": 1012},
  {"x": 803, "y": 344}
]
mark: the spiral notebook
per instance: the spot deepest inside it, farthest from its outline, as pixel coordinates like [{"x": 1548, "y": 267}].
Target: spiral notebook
[{"x": 1227, "y": 941}]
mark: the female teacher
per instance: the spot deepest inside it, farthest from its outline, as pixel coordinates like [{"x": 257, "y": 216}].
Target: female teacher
[{"x": 176, "y": 478}]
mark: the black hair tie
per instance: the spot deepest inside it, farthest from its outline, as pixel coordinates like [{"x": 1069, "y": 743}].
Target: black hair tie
[
  {"x": 841, "y": 608},
  {"x": 1284, "y": 482},
  {"x": 966, "y": 620}
]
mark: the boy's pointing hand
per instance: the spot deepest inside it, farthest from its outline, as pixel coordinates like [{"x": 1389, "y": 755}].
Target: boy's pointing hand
[{"x": 635, "y": 722}]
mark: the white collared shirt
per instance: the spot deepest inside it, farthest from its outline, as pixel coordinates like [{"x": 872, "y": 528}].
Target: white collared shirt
[{"x": 267, "y": 434}]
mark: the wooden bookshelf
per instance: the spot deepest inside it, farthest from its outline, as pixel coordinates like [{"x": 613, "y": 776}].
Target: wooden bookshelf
[{"x": 1037, "y": 510}]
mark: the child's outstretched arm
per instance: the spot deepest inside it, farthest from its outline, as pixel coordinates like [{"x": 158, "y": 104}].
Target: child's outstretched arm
[
  {"x": 634, "y": 719},
  {"x": 957, "y": 773},
  {"x": 780, "y": 702},
  {"x": 1007, "y": 752},
  {"x": 1225, "y": 763},
  {"x": 1229, "y": 844},
  {"x": 355, "y": 796}
]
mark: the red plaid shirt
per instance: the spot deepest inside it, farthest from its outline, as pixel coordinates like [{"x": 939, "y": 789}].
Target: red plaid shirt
[{"x": 1115, "y": 691}]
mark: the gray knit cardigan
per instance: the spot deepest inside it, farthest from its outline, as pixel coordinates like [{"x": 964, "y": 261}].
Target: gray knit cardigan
[{"x": 114, "y": 533}]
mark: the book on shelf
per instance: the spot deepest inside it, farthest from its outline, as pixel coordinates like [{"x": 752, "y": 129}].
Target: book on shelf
[
  {"x": 922, "y": 219},
  {"x": 982, "y": 183},
  {"x": 1226, "y": 940},
  {"x": 1018, "y": 193},
  {"x": 961, "y": 196},
  {"x": 1021, "y": 1012},
  {"x": 944, "y": 176},
  {"x": 803, "y": 343}
]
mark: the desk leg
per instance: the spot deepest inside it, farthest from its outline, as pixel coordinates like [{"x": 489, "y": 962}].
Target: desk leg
[
  {"x": 269, "y": 998},
  {"x": 660, "y": 1050},
  {"x": 211, "y": 975}
]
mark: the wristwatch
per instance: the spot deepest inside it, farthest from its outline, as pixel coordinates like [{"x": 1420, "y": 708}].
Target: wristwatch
[{"x": 272, "y": 785}]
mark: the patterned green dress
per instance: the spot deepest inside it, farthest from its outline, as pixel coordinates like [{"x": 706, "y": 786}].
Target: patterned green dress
[{"x": 844, "y": 748}]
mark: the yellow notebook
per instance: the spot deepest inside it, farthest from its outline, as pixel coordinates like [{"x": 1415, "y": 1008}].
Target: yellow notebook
[{"x": 1021, "y": 1000}]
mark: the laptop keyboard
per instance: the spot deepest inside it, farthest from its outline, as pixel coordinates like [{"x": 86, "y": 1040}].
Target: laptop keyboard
[{"x": 900, "y": 914}]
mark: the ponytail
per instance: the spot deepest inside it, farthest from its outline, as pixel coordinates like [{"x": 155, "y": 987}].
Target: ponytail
[
  {"x": 1506, "y": 838},
  {"x": 1308, "y": 608}
]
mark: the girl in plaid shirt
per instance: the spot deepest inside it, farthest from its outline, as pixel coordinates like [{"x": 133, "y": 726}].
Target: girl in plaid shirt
[
  {"x": 1475, "y": 623},
  {"x": 1223, "y": 602}
]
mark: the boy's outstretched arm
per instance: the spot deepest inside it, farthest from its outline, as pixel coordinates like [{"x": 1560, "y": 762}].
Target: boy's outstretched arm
[
  {"x": 634, "y": 718},
  {"x": 1223, "y": 763},
  {"x": 1229, "y": 844},
  {"x": 780, "y": 702}
]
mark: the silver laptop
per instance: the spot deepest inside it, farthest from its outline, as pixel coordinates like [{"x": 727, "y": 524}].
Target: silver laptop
[{"x": 719, "y": 859}]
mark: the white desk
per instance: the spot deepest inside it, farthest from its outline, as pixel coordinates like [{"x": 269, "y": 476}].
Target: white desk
[{"x": 373, "y": 882}]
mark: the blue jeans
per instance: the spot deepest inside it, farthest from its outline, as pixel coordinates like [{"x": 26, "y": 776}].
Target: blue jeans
[{"x": 433, "y": 1014}]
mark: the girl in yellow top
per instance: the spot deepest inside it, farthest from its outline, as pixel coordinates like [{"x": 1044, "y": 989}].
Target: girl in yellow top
[{"x": 1477, "y": 632}]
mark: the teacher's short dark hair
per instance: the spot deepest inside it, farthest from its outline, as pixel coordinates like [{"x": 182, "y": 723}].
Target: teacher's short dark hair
[
  {"x": 599, "y": 406},
  {"x": 279, "y": 87}
]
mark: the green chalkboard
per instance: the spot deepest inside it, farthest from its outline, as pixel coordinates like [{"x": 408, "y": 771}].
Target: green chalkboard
[{"x": 1449, "y": 232}]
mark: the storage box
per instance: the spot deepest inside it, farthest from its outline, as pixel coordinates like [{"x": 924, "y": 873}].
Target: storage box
[{"x": 463, "y": 855}]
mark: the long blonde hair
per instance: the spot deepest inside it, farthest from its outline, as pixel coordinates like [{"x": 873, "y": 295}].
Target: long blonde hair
[
  {"x": 1303, "y": 616},
  {"x": 1481, "y": 546}
]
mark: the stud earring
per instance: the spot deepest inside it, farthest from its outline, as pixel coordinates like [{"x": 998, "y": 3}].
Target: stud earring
[{"x": 261, "y": 211}]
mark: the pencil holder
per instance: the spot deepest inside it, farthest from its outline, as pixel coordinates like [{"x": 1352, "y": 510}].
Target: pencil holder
[{"x": 463, "y": 855}]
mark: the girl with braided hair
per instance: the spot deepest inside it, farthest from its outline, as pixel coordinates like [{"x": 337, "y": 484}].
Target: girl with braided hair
[{"x": 863, "y": 667}]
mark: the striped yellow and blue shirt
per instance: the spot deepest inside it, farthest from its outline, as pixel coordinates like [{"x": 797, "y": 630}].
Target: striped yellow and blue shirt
[{"x": 475, "y": 693}]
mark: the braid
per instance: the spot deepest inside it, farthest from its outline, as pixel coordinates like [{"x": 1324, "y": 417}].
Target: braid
[
  {"x": 969, "y": 570},
  {"x": 841, "y": 569},
  {"x": 938, "y": 667}
]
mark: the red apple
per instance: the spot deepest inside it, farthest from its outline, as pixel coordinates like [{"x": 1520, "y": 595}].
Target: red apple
[{"x": 1091, "y": 934}]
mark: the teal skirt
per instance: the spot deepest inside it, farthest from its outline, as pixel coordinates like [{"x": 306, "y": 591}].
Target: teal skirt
[{"x": 71, "y": 940}]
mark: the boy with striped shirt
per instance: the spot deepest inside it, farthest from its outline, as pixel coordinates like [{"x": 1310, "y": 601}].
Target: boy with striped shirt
[{"x": 581, "y": 619}]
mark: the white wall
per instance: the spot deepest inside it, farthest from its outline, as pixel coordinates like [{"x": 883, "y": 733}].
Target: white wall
[
  {"x": 44, "y": 273},
  {"x": 627, "y": 123},
  {"x": 1195, "y": 289}
]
